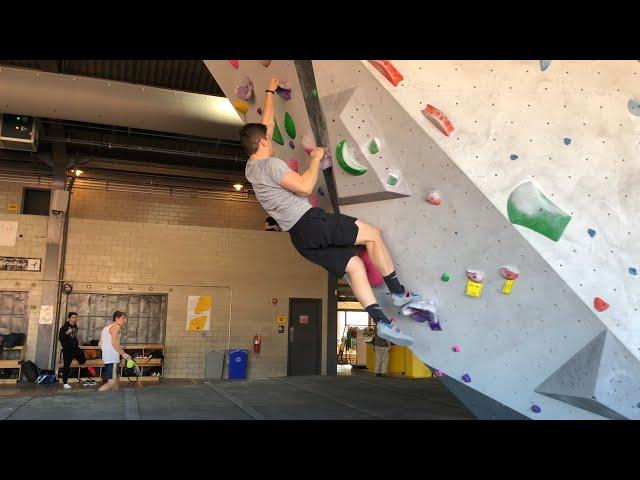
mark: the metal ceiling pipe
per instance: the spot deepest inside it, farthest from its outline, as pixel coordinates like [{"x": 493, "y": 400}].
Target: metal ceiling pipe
[{"x": 94, "y": 100}]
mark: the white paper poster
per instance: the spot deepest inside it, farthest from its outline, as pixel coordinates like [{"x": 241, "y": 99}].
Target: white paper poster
[
  {"x": 8, "y": 234},
  {"x": 199, "y": 312},
  {"x": 46, "y": 315}
]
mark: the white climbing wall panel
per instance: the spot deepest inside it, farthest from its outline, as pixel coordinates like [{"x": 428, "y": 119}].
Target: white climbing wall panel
[
  {"x": 229, "y": 78},
  {"x": 505, "y": 108}
]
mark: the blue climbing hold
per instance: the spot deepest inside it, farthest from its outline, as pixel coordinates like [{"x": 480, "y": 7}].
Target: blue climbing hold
[
  {"x": 591, "y": 232},
  {"x": 544, "y": 64},
  {"x": 466, "y": 377},
  {"x": 536, "y": 408},
  {"x": 513, "y": 156},
  {"x": 634, "y": 107},
  {"x": 633, "y": 271},
  {"x": 567, "y": 141}
]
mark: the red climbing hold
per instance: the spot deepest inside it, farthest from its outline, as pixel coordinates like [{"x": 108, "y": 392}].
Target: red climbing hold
[
  {"x": 438, "y": 373},
  {"x": 293, "y": 165},
  {"x": 439, "y": 119},
  {"x": 375, "y": 278},
  {"x": 265, "y": 63},
  {"x": 433, "y": 198},
  {"x": 234, "y": 63},
  {"x": 599, "y": 304},
  {"x": 313, "y": 200},
  {"x": 388, "y": 70}
]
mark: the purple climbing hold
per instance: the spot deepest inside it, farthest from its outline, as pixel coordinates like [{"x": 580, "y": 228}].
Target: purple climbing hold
[
  {"x": 591, "y": 232},
  {"x": 466, "y": 377},
  {"x": 439, "y": 373},
  {"x": 536, "y": 408},
  {"x": 244, "y": 91},
  {"x": 259, "y": 111},
  {"x": 292, "y": 144},
  {"x": 327, "y": 160},
  {"x": 284, "y": 91},
  {"x": 633, "y": 271},
  {"x": 513, "y": 156},
  {"x": 321, "y": 191},
  {"x": 567, "y": 141}
]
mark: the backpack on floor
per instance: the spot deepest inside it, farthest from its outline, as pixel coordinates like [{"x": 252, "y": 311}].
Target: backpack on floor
[
  {"x": 30, "y": 371},
  {"x": 46, "y": 379}
]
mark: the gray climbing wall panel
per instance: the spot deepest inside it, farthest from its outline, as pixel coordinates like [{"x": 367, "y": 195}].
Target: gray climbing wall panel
[{"x": 509, "y": 343}]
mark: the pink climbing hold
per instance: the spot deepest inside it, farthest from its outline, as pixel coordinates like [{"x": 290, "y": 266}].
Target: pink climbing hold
[
  {"x": 265, "y": 63},
  {"x": 433, "y": 198},
  {"x": 388, "y": 70},
  {"x": 599, "y": 304},
  {"x": 234, "y": 63},
  {"x": 308, "y": 143},
  {"x": 375, "y": 278},
  {"x": 293, "y": 165},
  {"x": 456, "y": 348},
  {"x": 475, "y": 275},
  {"x": 313, "y": 200},
  {"x": 438, "y": 373},
  {"x": 509, "y": 272},
  {"x": 439, "y": 119}
]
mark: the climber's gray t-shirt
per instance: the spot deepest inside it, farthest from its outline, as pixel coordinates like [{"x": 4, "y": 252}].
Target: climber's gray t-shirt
[{"x": 283, "y": 205}]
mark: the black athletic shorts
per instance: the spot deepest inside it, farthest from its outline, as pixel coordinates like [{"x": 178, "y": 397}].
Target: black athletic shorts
[
  {"x": 110, "y": 372},
  {"x": 326, "y": 239}
]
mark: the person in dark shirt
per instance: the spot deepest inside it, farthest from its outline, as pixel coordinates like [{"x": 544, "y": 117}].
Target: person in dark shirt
[
  {"x": 68, "y": 336},
  {"x": 272, "y": 225}
]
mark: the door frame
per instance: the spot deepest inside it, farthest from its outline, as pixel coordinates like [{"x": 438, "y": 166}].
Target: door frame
[{"x": 319, "y": 303}]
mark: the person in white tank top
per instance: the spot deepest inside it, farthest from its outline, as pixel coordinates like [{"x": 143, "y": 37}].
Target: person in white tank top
[{"x": 111, "y": 351}]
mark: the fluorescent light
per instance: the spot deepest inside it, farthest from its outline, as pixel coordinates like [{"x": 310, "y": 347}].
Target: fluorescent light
[
  {"x": 78, "y": 172},
  {"x": 238, "y": 186}
]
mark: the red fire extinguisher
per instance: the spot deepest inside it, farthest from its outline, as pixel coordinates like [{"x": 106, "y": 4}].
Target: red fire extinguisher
[{"x": 257, "y": 340}]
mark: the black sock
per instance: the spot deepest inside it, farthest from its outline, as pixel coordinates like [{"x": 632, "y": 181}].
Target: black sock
[
  {"x": 393, "y": 283},
  {"x": 376, "y": 313}
]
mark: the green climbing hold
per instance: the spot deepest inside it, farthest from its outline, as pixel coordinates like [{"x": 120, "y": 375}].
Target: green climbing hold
[
  {"x": 374, "y": 147},
  {"x": 289, "y": 126},
  {"x": 445, "y": 277},
  {"x": 314, "y": 93},
  {"x": 529, "y": 207},
  {"x": 393, "y": 179},
  {"x": 322, "y": 124},
  {"x": 277, "y": 136},
  {"x": 347, "y": 160}
]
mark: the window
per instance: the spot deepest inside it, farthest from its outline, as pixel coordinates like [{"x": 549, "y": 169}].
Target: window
[{"x": 36, "y": 201}]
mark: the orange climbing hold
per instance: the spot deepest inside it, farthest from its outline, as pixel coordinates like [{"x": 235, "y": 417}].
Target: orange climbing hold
[
  {"x": 388, "y": 70},
  {"x": 599, "y": 304},
  {"x": 234, "y": 63},
  {"x": 439, "y": 119}
]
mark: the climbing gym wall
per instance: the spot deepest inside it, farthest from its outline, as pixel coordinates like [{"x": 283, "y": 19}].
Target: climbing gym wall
[
  {"x": 244, "y": 83},
  {"x": 514, "y": 212}
]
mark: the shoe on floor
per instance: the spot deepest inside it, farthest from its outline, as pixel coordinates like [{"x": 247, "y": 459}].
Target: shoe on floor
[
  {"x": 391, "y": 331},
  {"x": 66, "y": 386},
  {"x": 402, "y": 299},
  {"x": 92, "y": 382}
]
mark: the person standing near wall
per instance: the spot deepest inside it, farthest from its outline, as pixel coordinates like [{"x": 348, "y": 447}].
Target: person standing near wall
[
  {"x": 381, "y": 347},
  {"x": 111, "y": 351},
  {"x": 68, "y": 337}
]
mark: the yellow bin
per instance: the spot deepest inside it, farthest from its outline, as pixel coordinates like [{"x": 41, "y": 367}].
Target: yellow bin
[{"x": 402, "y": 361}]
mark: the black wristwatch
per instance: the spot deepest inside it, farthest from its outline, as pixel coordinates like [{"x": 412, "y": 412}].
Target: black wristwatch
[{"x": 270, "y": 91}]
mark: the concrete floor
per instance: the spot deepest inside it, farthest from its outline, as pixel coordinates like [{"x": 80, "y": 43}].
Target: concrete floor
[{"x": 356, "y": 396}]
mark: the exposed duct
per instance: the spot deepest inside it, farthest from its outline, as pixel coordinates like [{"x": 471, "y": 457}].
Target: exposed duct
[{"x": 84, "y": 99}]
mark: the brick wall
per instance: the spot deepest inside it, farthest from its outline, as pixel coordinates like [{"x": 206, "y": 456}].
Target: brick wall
[{"x": 181, "y": 247}]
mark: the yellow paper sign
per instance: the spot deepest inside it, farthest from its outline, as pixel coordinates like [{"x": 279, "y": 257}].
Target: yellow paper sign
[
  {"x": 474, "y": 289},
  {"x": 12, "y": 207},
  {"x": 281, "y": 319},
  {"x": 508, "y": 285}
]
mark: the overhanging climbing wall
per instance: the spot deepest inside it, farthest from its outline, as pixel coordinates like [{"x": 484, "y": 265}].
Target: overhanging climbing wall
[
  {"x": 541, "y": 351},
  {"x": 244, "y": 83}
]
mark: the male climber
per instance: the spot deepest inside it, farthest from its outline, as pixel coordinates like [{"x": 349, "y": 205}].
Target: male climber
[{"x": 323, "y": 238}]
